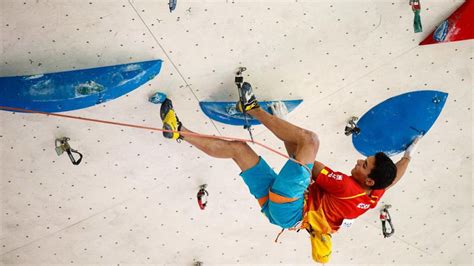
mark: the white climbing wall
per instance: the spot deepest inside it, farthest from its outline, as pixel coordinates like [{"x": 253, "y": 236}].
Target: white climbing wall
[{"x": 133, "y": 199}]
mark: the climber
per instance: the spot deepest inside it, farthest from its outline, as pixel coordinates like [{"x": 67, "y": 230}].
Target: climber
[{"x": 307, "y": 194}]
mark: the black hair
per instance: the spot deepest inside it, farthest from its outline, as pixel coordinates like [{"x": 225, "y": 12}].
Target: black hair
[{"x": 384, "y": 171}]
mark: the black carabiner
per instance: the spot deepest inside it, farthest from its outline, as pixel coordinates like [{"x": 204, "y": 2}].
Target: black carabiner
[
  {"x": 62, "y": 146},
  {"x": 69, "y": 153}
]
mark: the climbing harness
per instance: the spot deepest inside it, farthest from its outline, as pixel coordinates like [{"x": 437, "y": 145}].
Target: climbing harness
[
  {"x": 386, "y": 220},
  {"x": 202, "y": 196},
  {"x": 416, "y": 7},
  {"x": 62, "y": 146},
  {"x": 351, "y": 127},
  {"x": 239, "y": 79},
  {"x": 303, "y": 224}
]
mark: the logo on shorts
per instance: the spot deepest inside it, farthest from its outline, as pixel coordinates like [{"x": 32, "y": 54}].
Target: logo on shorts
[
  {"x": 335, "y": 176},
  {"x": 363, "y": 206}
]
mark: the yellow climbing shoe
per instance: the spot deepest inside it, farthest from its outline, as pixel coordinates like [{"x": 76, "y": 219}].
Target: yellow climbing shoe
[
  {"x": 248, "y": 100},
  {"x": 170, "y": 120}
]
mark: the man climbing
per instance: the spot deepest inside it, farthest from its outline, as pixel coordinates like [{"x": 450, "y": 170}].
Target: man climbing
[{"x": 306, "y": 194}]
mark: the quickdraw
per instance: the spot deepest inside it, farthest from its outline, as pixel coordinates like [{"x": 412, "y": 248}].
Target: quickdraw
[
  {"x": 416, "y": 7},
  {"x": 386, "y": 220},
  {"x": 62, "y": 146},
  {"x": 351, "y": 127},
  {"x": 202, "y": 197},
  {"x": 172, "y": 5},
  {"x": 238, "y": 81}
]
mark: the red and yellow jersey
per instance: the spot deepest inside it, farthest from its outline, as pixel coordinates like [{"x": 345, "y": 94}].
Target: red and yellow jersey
[{"x": 339, "y": 197}]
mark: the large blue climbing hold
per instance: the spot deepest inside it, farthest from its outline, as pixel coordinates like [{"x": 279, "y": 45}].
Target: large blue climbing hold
[
  {"x": 76, "y": 89},
  {"x": 225, "y": 112},
  {"x": 393, "y": 124}
]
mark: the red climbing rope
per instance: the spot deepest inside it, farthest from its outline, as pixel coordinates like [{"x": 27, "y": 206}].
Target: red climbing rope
[{"x": 152, "y": 128}]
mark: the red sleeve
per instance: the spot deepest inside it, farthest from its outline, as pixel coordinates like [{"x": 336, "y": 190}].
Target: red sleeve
[
  {"x": 330, "y": 181},
  {"x": 375, "y": 196}
]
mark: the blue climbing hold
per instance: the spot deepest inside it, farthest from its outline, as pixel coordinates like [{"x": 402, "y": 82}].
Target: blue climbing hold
[
  {"x": 225, "y": 112},
  {"x": 157, "y": 98},
  {"x": 393, "y": 124},
  {"x": 441, "y": 31},
  {"x": 76, "y": 89}
]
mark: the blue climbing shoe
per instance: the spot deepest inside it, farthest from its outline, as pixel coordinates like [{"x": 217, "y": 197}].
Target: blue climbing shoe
[{"x": 170, "y": 120}]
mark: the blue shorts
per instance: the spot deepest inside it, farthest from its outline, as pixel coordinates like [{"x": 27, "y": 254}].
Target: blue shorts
[{"x": 291, "y": 182}]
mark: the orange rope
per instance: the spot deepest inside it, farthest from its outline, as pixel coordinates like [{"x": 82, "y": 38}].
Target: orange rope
[{"x": 154, "y": 129}]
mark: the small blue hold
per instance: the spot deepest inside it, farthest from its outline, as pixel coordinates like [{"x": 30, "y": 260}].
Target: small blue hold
[
  {"x": 441, "y": 31},
  {"x": 157, "y": 98}
]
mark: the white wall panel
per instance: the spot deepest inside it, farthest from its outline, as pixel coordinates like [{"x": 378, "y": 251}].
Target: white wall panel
[{"x": 133, "y": 198}]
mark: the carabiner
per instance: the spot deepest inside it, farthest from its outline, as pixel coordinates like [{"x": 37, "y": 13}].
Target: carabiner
[
  {"x": 62, "y": 146},
  {"x": 202, "y": 193},
  {"x": 387, "y": 226}
]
